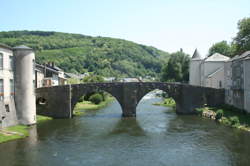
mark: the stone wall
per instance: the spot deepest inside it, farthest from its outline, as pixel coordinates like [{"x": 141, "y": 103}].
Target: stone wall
[{"x": 54, "y": 101}]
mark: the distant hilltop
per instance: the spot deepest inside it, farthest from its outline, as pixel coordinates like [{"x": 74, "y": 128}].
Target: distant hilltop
[{"x": 78, "y": 53}]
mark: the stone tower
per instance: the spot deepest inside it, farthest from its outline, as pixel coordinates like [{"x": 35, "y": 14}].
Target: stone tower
[
  {"x": 24, "y": 85},
  {"x": 195, "y": 69}
]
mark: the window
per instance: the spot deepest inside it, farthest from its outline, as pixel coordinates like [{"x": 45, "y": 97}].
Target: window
[
  {"x": 1, "y": 61},
  {"x": 220, "y": 84},
  {"x": 11, "y": 63},
  {"x": 1, "y": 89},
  {"x": 7, "y": 108},
  {"x": 12, "y": 89}
]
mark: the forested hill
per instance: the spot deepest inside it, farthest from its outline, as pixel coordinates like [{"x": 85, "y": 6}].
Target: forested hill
[{"x": 79, "y": 53}]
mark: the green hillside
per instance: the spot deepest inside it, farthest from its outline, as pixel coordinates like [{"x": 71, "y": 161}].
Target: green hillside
[{"x": 100, "y": 55}]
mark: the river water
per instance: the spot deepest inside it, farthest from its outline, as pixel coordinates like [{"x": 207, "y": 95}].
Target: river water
[{"x": 157, "y": 137}]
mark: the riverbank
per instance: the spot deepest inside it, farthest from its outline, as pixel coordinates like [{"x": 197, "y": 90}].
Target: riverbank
[
  {"x": 167, "y": 102},
  {"x": 227, "y": 115},
  {"x": 81, "y": 107},
  {"x": 18, "y": 131}
]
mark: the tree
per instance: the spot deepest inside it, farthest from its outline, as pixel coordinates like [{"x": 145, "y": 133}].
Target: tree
[
  {"x": 242, "y": 39},
  {"x": 177, "y": 68},
  {"x": 221, "y": 47}
]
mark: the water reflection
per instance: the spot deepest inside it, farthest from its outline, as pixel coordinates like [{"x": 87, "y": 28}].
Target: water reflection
[
  {"x": 156, "y": 137},
  {"x": 128, "y": 126}
]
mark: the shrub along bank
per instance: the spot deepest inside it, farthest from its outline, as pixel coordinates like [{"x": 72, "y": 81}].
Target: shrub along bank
[
  {"x": 167, "y": 102},
  {"x": 227, "y": 115}
]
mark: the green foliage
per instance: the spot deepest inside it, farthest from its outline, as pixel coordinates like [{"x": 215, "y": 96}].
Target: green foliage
[
  {"x": 219, "y": 114},
  {"x": 81, "y": 99},
  {"x": 169, "y": 102},
  {"x": 92, "y": 79},
  {"x": 242, "y": 39},
  {"x": 199, "y": 110},
  {"x": 96, "y": 98},
  {"x": 222, "y": 48},
  {"x": 101, "y": 55},
  {"x": 177, "y": 68},
  {"x": 234, "y": 121}
]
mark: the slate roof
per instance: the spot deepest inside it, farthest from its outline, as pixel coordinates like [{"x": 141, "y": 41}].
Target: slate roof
[
  {"x": 5, "y": 46},
  {"x": 22, "y": 47},
  {"x": 196, "y": 55},
  {"x": 216, "y": 57}
]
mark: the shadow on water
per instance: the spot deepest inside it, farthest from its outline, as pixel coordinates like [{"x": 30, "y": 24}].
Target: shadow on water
[{"x": 128, "y": 126}]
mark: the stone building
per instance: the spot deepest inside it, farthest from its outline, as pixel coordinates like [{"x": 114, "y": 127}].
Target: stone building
[
  {"x": 209, "y": 71},
  {"x": 17, "y": 95},
  {"x": 237, "y": 71}
]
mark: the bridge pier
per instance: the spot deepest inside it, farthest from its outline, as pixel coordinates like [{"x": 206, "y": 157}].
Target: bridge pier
[{"x": 129, "y": 111}]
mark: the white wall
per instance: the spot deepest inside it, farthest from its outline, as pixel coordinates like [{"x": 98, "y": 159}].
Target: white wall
[
  {"x": 214, "y": 80},
  {"x": 7, "y": 73}
]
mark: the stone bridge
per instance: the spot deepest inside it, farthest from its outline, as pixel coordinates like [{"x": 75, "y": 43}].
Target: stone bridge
[{"x": 59, "y": 101}]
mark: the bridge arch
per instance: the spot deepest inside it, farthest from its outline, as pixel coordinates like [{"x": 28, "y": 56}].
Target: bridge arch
[
  {"x": 78, "y": 90},
  {"x": 104, "y": 93}
]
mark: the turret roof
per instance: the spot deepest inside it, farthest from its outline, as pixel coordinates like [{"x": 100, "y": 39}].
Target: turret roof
[
  {"x": 196, "y": 55},
  {"x": 22, "y": 47}
]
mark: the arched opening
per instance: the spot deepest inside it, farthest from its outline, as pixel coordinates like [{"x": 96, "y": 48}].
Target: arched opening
[
  {"x": 93, "y": 101},
  {"x": 41, "y": 101},
  {"x": 156, "y": 98}
]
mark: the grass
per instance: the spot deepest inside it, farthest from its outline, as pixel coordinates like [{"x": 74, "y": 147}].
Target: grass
[
  {"x": 230, "y": 116},
  {"x": 167, "y": 102},
  {"x": 40, "y": 118},
  {"x": 81, "y": 107},
  {"x": 18, "y": 131},
  {"x": 13, "y": 133}
]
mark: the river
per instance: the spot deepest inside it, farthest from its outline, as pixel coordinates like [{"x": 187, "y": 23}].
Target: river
[{"x": 157, "y": 137}]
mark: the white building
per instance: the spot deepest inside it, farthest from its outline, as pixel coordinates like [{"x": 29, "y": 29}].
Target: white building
[
  {"x": 209, "y": 71},
  {"x": 17, "y": 94},
  {"x": 7, "y": 107}
]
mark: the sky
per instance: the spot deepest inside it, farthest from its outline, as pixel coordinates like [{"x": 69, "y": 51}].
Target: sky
[{"x": 165, "y": 24}]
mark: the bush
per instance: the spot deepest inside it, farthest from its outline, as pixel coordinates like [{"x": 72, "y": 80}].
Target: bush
[
  {"x": 234, "y": 120},
  {"x": 199, "y": 110},
  {"x": 219, "y": 114},
  {"x": 87, "y": 96},
  {"x": 96, "y": 98},
  {"x": 81, "y": 99}
]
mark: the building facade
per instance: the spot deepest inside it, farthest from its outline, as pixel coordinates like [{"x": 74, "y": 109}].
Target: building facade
[
  {"x": 218, "y": 71},
  {"x": 49, "y": 75},
  {"x": 17, "y": 95},
  {"x": 237, "y": 88},
  {"x": 209, "y": 71}
]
